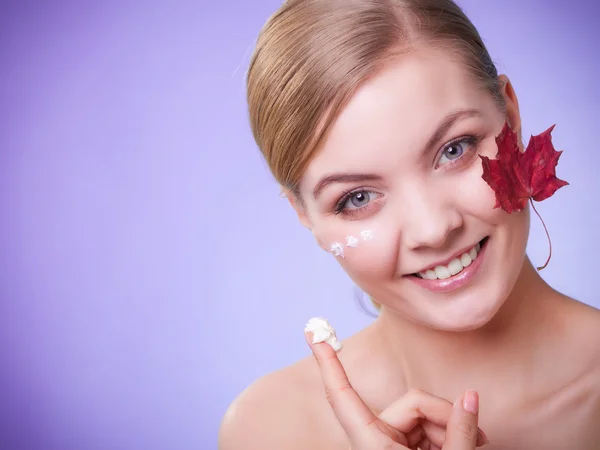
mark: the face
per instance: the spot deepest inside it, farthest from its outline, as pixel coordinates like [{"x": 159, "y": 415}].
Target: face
[{"x": 401, "y": 164}]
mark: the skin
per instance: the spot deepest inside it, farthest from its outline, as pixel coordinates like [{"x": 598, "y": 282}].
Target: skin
[{"x": 531, "y": 353}]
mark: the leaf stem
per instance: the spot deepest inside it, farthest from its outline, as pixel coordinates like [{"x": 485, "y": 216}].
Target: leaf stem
[{"x": 547, "y": 234}]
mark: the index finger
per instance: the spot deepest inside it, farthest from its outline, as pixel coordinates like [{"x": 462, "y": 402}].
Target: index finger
[
  {"x": 352, "y": 412},
  {"x": 462, "y": 429}
]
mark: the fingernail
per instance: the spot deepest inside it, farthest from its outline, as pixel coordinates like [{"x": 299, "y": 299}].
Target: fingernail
[{"x": 471, "y": 402}]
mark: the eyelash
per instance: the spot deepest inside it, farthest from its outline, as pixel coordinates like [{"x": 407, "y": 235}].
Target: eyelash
[
  {"x": 339, "y": 207},
  {"x": 472, "y": 142}
]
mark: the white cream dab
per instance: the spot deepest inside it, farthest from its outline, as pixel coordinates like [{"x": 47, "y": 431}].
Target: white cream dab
[
  {"x": 337, "y": 248},
  {"x": 366, "y": 235},
  {"x": 351, "y": 241},
  {"x": 323, "y": 332}
]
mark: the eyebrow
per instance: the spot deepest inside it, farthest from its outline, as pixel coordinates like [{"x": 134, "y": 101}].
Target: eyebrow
[
  {"x": 343, "y": 178},
  {"x": 439, "y": 133},
  {"x": 448, "y": 122}
]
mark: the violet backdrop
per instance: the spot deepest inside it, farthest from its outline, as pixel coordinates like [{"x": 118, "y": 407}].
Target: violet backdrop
[{"x": 149, "y": 269}]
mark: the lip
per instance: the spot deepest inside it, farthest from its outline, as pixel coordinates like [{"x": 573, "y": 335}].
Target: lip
[{"x": 456, "y": 281}]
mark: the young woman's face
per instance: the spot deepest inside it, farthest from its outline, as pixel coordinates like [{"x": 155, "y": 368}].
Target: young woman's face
[{"x": 397, "y": 191}]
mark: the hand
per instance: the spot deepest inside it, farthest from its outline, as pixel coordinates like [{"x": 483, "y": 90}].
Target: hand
[{"x": 416, "y": 420}]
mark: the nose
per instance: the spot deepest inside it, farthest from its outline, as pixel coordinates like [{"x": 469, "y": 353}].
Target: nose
[{"x": 430, "y": 218}]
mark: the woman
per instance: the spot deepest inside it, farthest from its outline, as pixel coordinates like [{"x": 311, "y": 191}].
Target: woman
[{"x": 373, "y": 115}]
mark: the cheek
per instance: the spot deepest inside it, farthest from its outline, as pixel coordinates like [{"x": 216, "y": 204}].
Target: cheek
[
  {"x": 478, "y": 201},
  {"x": 363, "y": 251},
  {"x": 343, "y": 242},
  {"x": 476, "y": 197}
]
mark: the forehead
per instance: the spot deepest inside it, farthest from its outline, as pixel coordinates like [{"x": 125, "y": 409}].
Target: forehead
[{"x": 397, "y": 109}]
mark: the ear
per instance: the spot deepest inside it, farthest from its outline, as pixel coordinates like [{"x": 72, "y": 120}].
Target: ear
[{"x": 513, "y": 115}]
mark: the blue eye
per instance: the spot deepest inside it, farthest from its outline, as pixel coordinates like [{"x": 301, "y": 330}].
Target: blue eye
[
  {"x": 357, "y": 200},
  {"x": 354, "y": 202},
  {"x": 452, "y": 151}
]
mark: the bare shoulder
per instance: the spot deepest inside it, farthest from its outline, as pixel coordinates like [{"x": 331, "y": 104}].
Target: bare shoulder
[
  {"x": 284, "y": 409},
  {"x": 270, "y": 413},
  {"x": 588, "y": 347},
  {"x": 584, "y": 352},
  {"x": 586, "y": 322}
]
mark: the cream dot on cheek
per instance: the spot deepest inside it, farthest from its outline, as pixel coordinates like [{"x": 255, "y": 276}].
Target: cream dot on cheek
[
  {"x": 352, "y": 241},
  {"x": 366, "y": 235},
  {"x": 337, "y": 249}
]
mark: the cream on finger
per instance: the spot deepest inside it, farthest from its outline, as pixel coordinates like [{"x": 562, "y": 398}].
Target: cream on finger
[{"x": 322, "y": 331}]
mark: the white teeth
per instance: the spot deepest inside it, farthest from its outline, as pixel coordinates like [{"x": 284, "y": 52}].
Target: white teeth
[
  {"x": 473, "y": 253},
  {"x": 465, "y": 259},
  {"x": 429, "y": 275},
  {"x": 454, "y": 267},
  {"x": 442, "y": 272}
]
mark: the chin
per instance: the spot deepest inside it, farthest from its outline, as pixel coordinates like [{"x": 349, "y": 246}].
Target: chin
[
  {"x": 470, "y": 309},
  {"x": 464, "y": 320}
]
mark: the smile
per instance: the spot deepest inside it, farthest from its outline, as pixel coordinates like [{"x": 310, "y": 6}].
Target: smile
[{"x": 455, "y": 274}]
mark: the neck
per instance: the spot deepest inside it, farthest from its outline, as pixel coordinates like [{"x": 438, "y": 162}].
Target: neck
[{"x": 435, "y": 360}]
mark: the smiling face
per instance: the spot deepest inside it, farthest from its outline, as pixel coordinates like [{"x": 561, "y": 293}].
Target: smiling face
[{"x": 401, "y": 164}]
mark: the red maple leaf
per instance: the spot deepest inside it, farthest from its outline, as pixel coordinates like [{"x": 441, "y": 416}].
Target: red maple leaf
[{"x": 518, "y": 177}]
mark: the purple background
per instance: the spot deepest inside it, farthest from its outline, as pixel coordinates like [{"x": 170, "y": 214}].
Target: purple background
[{"x": 149, "y": 270}]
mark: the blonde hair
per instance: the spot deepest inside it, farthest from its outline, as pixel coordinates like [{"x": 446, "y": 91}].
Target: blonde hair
[{"x": 312, "y": 55}]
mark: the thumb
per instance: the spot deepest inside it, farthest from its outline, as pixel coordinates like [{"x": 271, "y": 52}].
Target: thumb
[{"x": 462, "y": 428}]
